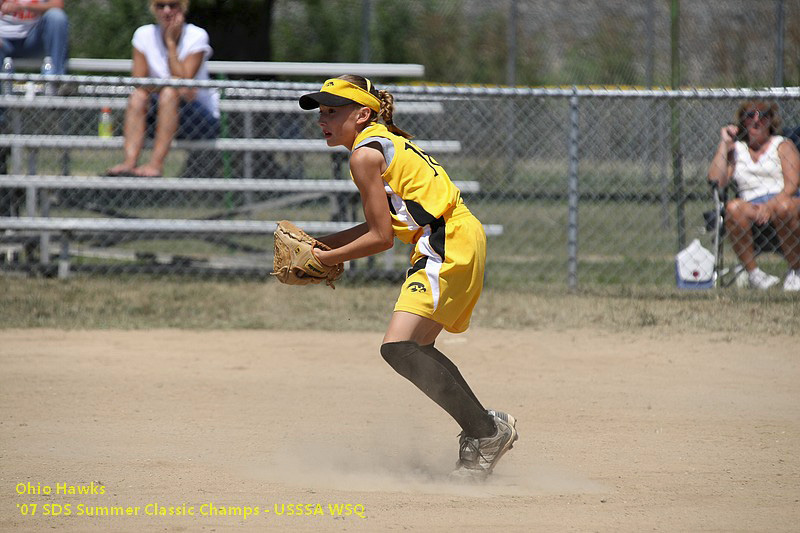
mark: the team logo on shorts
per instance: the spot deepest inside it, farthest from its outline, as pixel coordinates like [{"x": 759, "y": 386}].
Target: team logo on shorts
[{"x": 416, "y": 286}]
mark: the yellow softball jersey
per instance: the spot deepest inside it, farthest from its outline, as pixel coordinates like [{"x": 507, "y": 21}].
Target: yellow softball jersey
[
  {"x": 419, "y": 189},
  {"x": 447, "y": 264}
]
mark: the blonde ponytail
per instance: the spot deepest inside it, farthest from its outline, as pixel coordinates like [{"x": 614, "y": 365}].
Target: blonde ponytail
[{"x": 387, "y": 111}]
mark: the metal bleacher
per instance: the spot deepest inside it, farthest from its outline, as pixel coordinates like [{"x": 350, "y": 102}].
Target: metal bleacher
[{"x": 34, "y": 224}]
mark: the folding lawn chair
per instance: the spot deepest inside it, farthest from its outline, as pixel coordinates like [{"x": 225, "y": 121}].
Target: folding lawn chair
[{"x": 765, "y": 239}]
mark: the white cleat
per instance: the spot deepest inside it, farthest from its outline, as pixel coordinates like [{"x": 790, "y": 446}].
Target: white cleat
[{"x": 478, "y": 457}]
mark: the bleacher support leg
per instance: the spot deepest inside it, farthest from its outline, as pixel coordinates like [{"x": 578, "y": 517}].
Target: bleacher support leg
[{"x": 63, "y": 257}]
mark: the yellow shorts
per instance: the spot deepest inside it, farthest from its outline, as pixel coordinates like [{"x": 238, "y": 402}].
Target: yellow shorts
[{"x": 446, "y": 276}]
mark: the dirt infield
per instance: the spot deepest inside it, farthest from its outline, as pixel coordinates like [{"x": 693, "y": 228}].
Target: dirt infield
[{"x": 621, "y": 431}]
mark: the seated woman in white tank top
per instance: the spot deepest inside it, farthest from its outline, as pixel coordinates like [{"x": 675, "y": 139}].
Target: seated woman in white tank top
[{"x": 766, "y": 169}]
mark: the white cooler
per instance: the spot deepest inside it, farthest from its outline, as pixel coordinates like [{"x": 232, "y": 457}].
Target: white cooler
[{"x": 694, "y": 267}]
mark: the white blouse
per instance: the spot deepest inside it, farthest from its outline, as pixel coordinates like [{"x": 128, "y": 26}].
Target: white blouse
[
  {"x": 149, "y": 41},
  {"x": 757, "y": 178}
]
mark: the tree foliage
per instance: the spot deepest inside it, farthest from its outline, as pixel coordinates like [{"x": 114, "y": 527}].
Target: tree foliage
[
  {"x": 318, "y": 30},
  {"x": 604, "y": 57},
  {"x": 465, "y": 41},
  {"x": 103, "y": 28}
]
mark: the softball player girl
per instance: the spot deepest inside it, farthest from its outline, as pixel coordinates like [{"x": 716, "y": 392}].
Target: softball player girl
[{"x": 407, "y": 194}]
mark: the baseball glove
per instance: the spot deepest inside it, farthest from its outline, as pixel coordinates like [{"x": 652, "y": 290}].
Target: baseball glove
[{"x": 295, "y": 263}]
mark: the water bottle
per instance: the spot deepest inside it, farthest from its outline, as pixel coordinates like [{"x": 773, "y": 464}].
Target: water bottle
[
  {"x": 8, "y": 68},
  {"x": 47, "y": 69},
  {"x": 105, "y": 128}
]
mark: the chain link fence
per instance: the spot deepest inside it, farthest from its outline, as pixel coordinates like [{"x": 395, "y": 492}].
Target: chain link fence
[{"x": 578, "y": 187}]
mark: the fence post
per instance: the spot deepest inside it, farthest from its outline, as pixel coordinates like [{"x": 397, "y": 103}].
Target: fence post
[
  {"x": 366, "y": 29},
  {"x": 675, "y": 126},
  {"x": 677, "y": 173},
  {"x": 572, "y": 194},
  {"x": 511, "y": 81},
  {"x": 224, "y": 127},
  {"x": 511, "y": 60},
  {"x": 780, "y": 28}
]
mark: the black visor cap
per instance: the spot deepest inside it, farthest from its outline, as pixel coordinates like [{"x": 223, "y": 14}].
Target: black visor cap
[{"x": 314, "y": 100}]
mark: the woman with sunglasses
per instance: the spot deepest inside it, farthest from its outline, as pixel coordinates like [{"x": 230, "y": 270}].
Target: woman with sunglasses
[
  {"x": 171, "y": 48},
  {"x": 405, "y": 193},
  {"x": 766, "y": 170}
]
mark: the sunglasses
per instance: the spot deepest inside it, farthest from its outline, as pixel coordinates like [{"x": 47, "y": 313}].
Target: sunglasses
[
  {"x": 164, "y": 5},
  {"x": 755, "y": 115}
]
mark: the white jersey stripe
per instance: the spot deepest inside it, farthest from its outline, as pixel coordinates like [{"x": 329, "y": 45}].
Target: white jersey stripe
[
  {"x": 400, "y": 208},
  {"x": 433, "y": 265}
]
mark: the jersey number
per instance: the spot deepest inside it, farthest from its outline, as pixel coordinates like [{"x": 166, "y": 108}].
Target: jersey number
[{"x": 428, "y": 159}]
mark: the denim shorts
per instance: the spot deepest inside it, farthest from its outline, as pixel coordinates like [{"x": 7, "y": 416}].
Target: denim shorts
[
  {"x": 767, "y": 197},
  {"x": 196, "y": 121}
]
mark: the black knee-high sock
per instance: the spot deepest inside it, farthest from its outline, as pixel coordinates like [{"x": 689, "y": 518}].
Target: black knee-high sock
[
  {"x": 451, "y": 367},
  {"x": 436, "y": 380}
]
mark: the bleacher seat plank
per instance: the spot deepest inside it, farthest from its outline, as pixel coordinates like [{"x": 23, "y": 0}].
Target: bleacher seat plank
[
  {"x": 252, "y": 68},
  {"x": 236, "y": 106},
  {"x": 232, "y": 145},
  {"x": 158, "y": 225},
  {"x": 194, "y": 184}
]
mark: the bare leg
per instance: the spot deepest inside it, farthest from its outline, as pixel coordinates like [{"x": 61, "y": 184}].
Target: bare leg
[
  {"x": 166, "y": 127},
  {"x": 133, "y": 130},
  {"x": 739, "y": 217},
  {"x": 410, "y": 327},
  {"x": 786, "y": 220}
]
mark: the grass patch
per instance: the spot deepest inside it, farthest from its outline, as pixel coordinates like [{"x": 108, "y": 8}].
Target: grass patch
[{"x": 137, "y": 303}]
